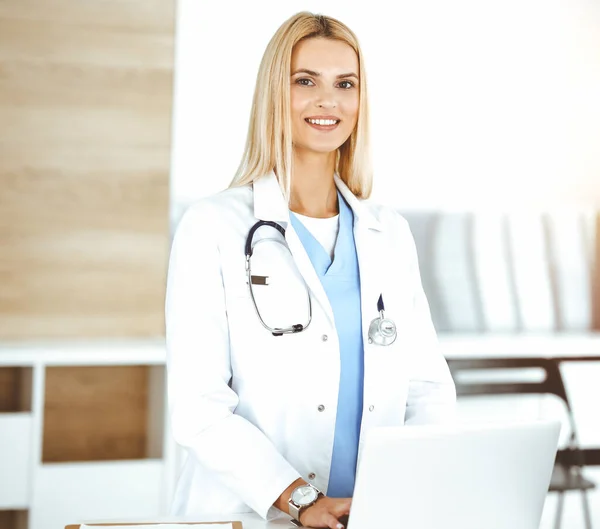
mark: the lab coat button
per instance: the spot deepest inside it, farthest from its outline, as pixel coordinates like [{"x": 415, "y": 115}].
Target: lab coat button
[
  {"x": 371, "y": 407},
  {"x": 324, "y": 337},
  {"x": 312, "y": 475},
  {"x": 321, "y": 407}
]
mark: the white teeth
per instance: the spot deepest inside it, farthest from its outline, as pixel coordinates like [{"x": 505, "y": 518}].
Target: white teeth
[{"x": 322, "y": 121}]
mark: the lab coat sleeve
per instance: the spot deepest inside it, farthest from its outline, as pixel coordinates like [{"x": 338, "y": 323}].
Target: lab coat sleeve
[
  {"x": 201, "y": 403},
  {"x": 431, "y": 392}
]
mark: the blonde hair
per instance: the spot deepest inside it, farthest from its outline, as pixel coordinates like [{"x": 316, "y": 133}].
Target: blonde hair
[{"x": 269, "y": 141}]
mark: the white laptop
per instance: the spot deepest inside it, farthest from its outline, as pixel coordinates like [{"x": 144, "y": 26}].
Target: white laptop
[{"x": 464, "y": 476}]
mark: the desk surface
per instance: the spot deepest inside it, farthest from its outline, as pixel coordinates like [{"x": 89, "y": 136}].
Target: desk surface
[
  {"x": 249, "y": 521},
  {"x": 152, "y": 352},
  {"x": 566, "y": 347}
]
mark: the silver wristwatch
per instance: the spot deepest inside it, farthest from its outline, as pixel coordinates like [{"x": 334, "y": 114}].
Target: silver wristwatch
[{"x": 302, "y": 498}]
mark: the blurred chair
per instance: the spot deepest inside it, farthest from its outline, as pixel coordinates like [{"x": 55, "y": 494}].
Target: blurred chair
[
  {"x": 565, "y": 476},
  {"x": 492, "y": 271}
]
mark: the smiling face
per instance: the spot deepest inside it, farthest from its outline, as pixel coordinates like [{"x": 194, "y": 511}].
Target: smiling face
[{"x": 324, "y": 94}]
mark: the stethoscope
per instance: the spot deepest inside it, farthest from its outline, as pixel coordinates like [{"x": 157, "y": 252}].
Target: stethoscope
[{"x": 382, "y": 330}]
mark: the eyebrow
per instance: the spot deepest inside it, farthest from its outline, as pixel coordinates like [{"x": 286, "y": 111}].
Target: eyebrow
[{"x": 317, "y": 74}]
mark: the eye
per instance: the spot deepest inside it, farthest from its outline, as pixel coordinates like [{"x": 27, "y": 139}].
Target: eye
[
  {"x": 304, "y": 81},
  {"x": 349, "y": 84}
]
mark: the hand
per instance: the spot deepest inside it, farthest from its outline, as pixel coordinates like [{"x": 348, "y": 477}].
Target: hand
[{"x": 326, "y": 513}]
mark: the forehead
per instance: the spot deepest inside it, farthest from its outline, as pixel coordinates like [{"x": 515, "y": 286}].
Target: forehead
[{"x": 324, "y": 56}]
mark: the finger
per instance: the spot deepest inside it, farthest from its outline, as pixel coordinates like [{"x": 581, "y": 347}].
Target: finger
[
  {"x": 343, "y": 519},
  {"x": 332, "y": 522}
]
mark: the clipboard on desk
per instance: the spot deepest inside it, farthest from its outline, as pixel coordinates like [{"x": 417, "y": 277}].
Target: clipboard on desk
[{"x": 235, "y": 525}]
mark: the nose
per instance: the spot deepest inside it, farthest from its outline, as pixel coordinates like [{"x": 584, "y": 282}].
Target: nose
[{"x": 326, "y": 98}]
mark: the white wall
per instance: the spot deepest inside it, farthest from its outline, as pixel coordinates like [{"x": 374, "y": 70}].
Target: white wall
[{"x": 473, "y": 103}]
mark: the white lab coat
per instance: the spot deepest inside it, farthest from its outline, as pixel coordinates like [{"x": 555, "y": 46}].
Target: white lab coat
[{"x": 256, "y": 411}]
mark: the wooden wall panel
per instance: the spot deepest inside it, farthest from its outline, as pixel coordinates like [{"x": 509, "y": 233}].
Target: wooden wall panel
[
  {"x": 15, "y": 389},
  {"x": 85, "y": 115},
  {"x": 9, "y": 389},
  {"x": 95, "y": 413},
  {"x": 6, "y": 520},
  {"x": 13, "y": 520}
]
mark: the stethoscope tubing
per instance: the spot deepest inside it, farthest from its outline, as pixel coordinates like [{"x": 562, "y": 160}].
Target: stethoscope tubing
[
  {"x": 298, "y": 327},
  {"x": 377, "y": 336}
]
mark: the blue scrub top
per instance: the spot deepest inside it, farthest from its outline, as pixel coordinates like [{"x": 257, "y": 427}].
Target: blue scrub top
[{"x": 341, "y": 281}]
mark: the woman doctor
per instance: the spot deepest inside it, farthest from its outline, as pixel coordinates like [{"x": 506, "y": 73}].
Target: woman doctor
[{"x": 289, "y": 340}]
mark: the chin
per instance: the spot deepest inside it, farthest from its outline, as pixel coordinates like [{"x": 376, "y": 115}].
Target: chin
[{"x": 322, "y": 147}]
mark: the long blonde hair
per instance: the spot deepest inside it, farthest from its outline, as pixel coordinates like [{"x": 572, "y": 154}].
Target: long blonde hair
[{"x": 269, "y": 141}]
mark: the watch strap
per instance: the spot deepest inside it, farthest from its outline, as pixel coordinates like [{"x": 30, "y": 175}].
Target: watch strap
[{"x": 294, "y": 510}]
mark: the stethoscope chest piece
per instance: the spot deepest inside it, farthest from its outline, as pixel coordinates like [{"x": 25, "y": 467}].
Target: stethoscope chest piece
[{"x": 382, "y": 330}]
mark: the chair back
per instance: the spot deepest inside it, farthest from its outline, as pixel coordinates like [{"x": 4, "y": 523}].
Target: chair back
[
  {"x": 550, "y": 384},
  {"x": 509, "y": 271}
]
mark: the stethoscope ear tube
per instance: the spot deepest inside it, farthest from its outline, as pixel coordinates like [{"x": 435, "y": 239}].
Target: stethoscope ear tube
[
  {"x": 294, "y": 329},
  {"x": 248, "y": 246}
]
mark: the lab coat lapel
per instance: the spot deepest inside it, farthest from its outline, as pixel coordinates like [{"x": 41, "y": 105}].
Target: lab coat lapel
[
  {"x": 368, "y": 242},
  {"x": 269, "y": 204},
  {"x": 308, "y": 271},
  {"x": 369, "y": 257}
]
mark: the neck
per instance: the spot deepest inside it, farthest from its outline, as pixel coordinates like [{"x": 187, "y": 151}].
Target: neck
[{"x": 313, "y": 188}]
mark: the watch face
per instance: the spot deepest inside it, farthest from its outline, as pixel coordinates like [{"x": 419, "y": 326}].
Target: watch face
[{"x": 304, "y": 495}]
